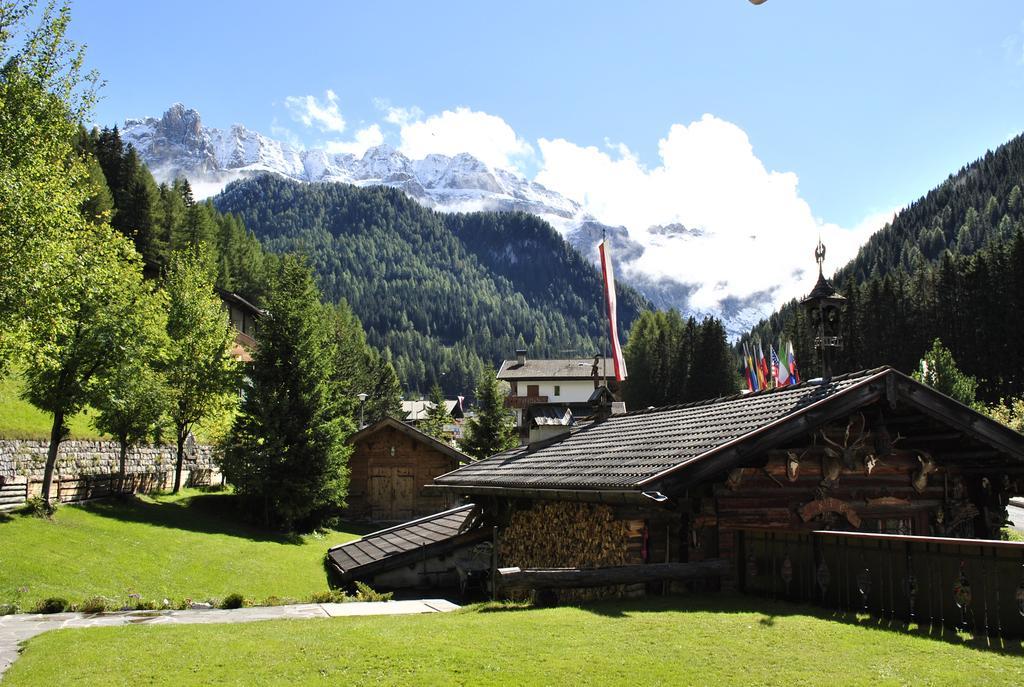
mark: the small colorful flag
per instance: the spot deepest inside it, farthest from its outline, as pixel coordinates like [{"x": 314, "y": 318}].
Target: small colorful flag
[
  {"x": 779, "y": 372},
  {"x": 745, "y": 364},
  {"x": 794, "y": 374},
  {"x": 751, "y": 370},
  {"x": 609, "y": 299},
  {"x": 762, "y": 367}
]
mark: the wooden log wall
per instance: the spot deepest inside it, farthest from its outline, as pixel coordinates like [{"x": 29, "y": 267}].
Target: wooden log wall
[
  {"x": 561, "y": 534},
  {"x": 771, "y": 498}
]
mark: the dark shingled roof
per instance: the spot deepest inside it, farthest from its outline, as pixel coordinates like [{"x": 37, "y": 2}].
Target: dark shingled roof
[
  {"x": 624, "y": 451},
  {"x": 575, "y": 368},
  {"x": 392, "y": 547}
]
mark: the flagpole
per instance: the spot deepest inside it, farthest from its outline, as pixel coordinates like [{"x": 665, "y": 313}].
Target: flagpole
[{"x": 608, "y": 331}]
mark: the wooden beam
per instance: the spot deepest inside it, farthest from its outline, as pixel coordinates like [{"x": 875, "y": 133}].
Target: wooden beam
[{"x": 571, "y": 578}]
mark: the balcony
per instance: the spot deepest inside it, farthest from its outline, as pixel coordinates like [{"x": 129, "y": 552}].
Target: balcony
[{"x": 524, "y": 401}]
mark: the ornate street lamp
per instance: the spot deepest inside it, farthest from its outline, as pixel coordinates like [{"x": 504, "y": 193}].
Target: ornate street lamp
[{"x": 824, "y": 306}]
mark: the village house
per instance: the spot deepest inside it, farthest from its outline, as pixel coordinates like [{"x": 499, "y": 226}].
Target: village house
[
  {"x": 553, "y": 392},
  {"x": 242, "y": 315}
]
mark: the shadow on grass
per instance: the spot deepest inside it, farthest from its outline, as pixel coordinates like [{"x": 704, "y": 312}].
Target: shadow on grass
[
  {"x": 4, "y": 517},
  {"x": 204, "y": 513},
  {"x": 770, "y": 611}
]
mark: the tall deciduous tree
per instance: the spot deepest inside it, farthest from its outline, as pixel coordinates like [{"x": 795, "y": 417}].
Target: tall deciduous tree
[
  {"x": 286, "y": 455},
  {"x": 492, "y": 429},
  {"x": 105, "y": 316},
  {"x": 43, "y": 182},
  {"x": 202, "y": 377},
  {"x": 131, "y": 404},
  {"x": 938, "y": 370}
]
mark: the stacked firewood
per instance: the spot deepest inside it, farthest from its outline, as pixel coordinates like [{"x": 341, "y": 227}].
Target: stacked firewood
[{"x": 559, "y": 534}]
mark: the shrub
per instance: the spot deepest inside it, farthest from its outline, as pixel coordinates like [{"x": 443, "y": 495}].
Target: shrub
[
  {"x": 9, "y": 609},
  {"x": 280, "y": 601},
  {"x": 39, "y": 507},
  {"x": 365, "y": 593},
  {"x": 144, "y": 605},
  {"x": 95, "y": 604},
  {"x": 233, "y": 601},
  {"x": 54, "y": 604},
  {"x": 335, "y": 596}
]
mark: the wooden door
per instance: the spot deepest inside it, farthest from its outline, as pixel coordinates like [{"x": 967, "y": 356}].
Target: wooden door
[
  {"x": 392, "y": 493},
  {"x": 404, "y": 493}
]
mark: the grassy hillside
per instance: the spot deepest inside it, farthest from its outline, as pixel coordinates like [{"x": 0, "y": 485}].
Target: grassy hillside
[
  {"x": 187, "y": 546},
  {"x": 21, "y": 420},
  {"x": 674, "y": 641}
]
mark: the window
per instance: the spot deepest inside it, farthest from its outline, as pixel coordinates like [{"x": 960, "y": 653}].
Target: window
[{"x": 558, "y": 390}]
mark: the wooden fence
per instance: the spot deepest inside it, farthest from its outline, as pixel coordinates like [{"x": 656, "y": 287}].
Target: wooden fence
[
  {"x": 12, "y": 494},
  {"x": 973, "y": 585}
]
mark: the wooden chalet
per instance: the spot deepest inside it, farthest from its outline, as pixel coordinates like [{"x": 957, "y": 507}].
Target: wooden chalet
[
  {"x": 243, "y": 316},
  {"x": 748, "y": 479},
  {"x": 390, "y": 464}
]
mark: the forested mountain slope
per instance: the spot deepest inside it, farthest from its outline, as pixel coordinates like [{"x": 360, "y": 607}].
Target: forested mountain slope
[
  {"x": 949, "y": 266},
  {"x": 445, "y": 293}
]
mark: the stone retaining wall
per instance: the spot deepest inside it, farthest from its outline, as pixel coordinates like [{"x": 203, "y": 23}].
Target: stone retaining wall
[{"x": 149, "y": 467}]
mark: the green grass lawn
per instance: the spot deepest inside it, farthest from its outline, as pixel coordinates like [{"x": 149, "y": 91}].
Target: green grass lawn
[
  {"x": 21, "y": 420},
  {"x": 175, "y": 547},
  {"x": 683, "y": 640}
]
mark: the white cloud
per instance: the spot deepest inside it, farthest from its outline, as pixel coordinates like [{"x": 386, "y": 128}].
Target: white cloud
[
  {"x": 401, "y": 116},
  {"x": 310, "y": 111},
  {"x": 365, "y": 138},
  {"x": 757, "y": 233},
  {"x": 484, "y": 136}
]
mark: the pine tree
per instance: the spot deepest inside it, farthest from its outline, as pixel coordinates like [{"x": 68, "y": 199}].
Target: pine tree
[
  {"x": 286, "y": 456},
  {"x": 492, "y": 430},
  {"x": 437, "y": 415}
]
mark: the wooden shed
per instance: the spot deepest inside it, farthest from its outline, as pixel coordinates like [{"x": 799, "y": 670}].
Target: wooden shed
[
  {"x": 759, "y": 480},
  {"x": 390, "y": 464}
]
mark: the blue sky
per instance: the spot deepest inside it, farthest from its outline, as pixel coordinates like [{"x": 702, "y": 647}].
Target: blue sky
[
  {"x": 869, "y": 103},
  {"x": 825, "y": 115}
]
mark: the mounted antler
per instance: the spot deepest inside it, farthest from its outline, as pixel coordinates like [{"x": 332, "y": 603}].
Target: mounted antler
[
  {"x": 853, "y": 442},
  {"x": 919, "y": 480},
  {"x": 732, "y": 481},
  {"x": 793, "y": 465}
]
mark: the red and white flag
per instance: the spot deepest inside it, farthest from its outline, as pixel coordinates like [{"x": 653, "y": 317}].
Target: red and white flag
[{"x": 609, "y": 299}]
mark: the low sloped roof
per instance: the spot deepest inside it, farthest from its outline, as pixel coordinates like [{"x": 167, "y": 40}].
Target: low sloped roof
[
  {"x": 555, "y": 369},
  {"x": 640, "y": 449},
  {"x": 543, "y": 414},
  {"x": 418, "y": 410},
  {"x": 394, "y": 546},
  {"x": 409, "y": 431}
]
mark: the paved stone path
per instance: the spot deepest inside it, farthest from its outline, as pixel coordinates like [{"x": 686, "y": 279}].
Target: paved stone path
[{"x": 15, "y": 629}]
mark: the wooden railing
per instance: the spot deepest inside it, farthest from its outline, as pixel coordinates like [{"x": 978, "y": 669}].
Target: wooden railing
[
  {"x": 524, "y": 401},
  {"x": 972, "y": 585}
]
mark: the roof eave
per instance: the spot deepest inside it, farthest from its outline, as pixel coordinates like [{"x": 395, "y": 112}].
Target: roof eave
[
  {"x": 618, "y": 496},
  {"x": 781, "y": 429}
]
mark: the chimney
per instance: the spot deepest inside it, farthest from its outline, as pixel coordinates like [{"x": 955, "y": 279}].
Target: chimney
[{"x": 520, "y": 356}]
